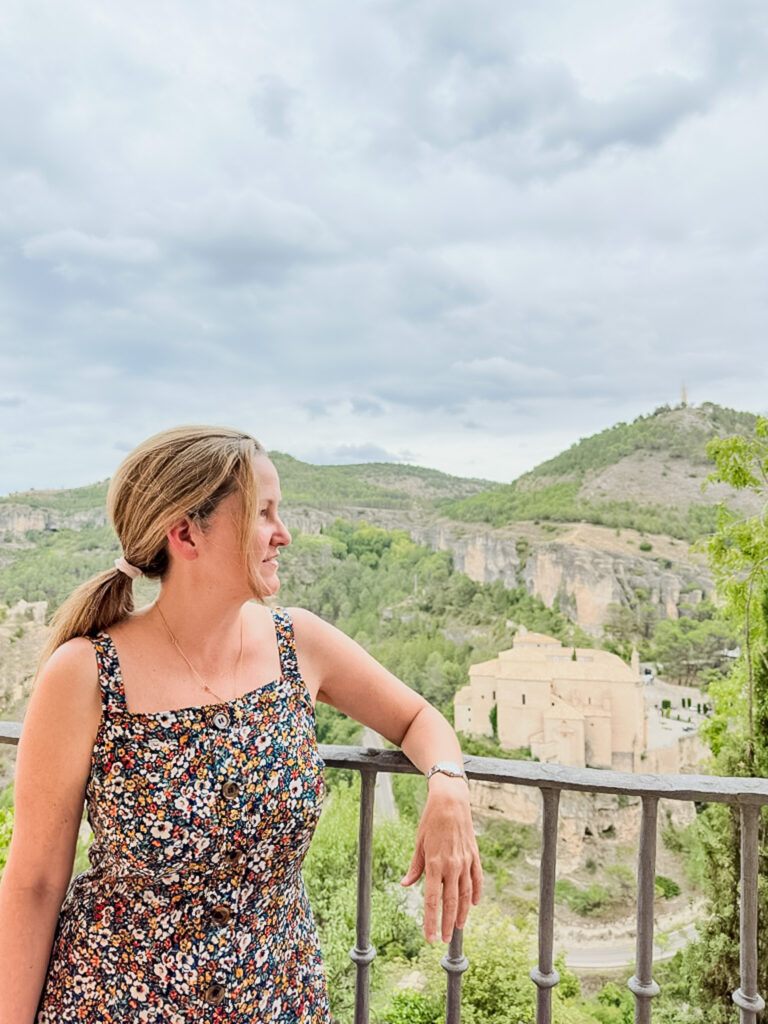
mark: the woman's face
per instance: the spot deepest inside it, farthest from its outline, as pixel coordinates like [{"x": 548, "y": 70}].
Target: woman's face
[
  {"x": 222, "y": 535},
  {"x": 271, "y": 534}
]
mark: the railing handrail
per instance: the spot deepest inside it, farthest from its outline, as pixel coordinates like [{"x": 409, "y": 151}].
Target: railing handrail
[
  {"x": 706, "y": 788},
  {"x": 727, "y": 789}
]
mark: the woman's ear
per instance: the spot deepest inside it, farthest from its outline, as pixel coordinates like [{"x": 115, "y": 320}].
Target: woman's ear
[{"x": 182, "y": 536}]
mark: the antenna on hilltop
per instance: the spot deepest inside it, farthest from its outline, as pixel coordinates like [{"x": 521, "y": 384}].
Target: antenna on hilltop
[{"x": 684, "y": 398}]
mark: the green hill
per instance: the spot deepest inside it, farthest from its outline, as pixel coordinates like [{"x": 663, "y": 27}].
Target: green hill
[
  {"x": 369, "y": 484},
  {"x": 68, "y": 502},
  {"x": 647, "y": 475}
]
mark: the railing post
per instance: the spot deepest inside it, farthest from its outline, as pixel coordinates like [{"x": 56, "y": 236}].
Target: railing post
[
  {"x": 362, "y": 953},
  {"x": 545, "y": 976},
  {"x": 455, "y": 963},
  {"x": 641, "y": 983},
  {"x": 747, "y": 997}
]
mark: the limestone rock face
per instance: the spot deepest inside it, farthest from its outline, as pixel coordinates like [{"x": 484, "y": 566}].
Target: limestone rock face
[
  {"x": 581, "y": 570},
  {"x": 17, "y": 519},
  {"x": 585, "y": 820},
  {"x": 586, "y": 581}
]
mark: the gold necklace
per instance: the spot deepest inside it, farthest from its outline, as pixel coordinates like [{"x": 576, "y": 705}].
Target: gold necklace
[{"x": 198, "y": 678}]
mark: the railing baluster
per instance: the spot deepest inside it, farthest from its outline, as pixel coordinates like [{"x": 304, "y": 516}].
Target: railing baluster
[
  {"x": 455, "y": 963},
  {"x": 545, "y": 976},
  {"x": 362, "y": 953},
  {"x": 641, "y": 983},
  {"x": 747, "y": 997}
]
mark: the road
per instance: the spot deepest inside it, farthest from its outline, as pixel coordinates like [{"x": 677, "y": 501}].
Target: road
[{"x": 613, "y": 957}]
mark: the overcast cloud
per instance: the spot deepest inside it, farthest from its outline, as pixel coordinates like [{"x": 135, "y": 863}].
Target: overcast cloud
[{"x": 459, "y": 234}]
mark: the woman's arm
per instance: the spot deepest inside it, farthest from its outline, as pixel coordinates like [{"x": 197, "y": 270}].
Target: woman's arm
[
  {"x": 51, "y": 773},
  {"x": 339, "y": 672}
]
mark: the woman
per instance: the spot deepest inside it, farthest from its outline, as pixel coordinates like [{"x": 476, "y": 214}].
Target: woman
[{"x": 188, "y": 727}]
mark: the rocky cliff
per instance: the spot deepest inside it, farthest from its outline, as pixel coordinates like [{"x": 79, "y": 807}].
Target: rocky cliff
[
  {"x": 585, "y": 569},
  {"x": 17, "y": 518}
]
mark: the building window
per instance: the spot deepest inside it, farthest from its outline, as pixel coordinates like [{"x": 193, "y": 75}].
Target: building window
[{"x": 523, "y": 698}]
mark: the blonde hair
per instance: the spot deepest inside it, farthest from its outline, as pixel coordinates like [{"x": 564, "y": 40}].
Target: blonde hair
[{"x": 185, "y": 471}]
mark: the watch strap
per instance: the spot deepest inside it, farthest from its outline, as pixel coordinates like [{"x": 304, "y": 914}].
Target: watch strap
[{"x": 448, "y": 768}]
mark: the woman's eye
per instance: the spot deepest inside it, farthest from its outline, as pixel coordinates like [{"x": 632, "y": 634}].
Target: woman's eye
[{"x": 264, "y": 512}]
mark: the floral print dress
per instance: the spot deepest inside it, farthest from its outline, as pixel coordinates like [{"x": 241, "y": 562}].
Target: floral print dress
[{"x": 194, "y": 910}]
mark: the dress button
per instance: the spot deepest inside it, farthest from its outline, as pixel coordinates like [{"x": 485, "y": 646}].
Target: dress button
[
  {"x": 214, "y": 994},
  {"x": 230, "y": 790},
  {"x": 220, "y": 915},
  {"x": 232, "y": 857},
  {"x": 221, "y": 720}
]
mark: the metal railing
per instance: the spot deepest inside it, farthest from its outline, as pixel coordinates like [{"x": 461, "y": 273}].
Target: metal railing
[
  {"x": 749, "y": 795},
  {"x": 550, "y": 779}
]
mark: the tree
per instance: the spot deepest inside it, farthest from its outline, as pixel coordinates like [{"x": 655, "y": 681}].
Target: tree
[
  {"x": 738, "y": 732},
  {"x": 687, "y": 647}
]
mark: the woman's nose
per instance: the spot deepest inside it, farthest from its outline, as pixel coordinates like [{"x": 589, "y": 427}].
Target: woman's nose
[{"x": 283, "y": 533}]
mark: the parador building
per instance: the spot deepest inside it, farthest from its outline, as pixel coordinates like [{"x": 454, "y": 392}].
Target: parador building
[{"x": 574, "y": 706}]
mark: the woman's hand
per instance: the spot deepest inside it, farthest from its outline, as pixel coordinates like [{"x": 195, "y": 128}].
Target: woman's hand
[{"x": 446, "y": 852}]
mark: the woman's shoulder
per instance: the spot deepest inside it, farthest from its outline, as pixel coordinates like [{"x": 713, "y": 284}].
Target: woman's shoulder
[
  {"x": 307, "y": 623},
  {"x": 66, "y": 697},
  {"x": 74, "y": 659}
]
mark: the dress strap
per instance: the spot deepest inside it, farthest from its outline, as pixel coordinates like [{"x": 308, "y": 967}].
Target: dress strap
[
  {"x": 110, "y": 676},
  {"x": 286, "y": 644}
]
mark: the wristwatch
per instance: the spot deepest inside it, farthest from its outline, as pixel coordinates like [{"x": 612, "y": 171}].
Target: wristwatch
[{"x": 448, "y": 768}]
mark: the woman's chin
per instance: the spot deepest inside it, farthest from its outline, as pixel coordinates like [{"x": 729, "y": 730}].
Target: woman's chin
[{"x": 270, "y": 584}]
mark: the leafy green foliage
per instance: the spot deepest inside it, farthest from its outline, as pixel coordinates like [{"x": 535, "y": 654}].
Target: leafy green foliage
[
  {"x": 330, "y": 874},
  {"x": 586, "y": 902},
  {"x": 737, "y": 733},
  {"x": 688, "y": 646},
  {"x": 665, "y": 887},
  {"x": 58, "y": 562},
  {"x": 411, "y": 1007}
]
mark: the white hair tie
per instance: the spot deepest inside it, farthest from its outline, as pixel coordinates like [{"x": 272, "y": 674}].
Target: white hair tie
[{"x": 124, "y": 566}]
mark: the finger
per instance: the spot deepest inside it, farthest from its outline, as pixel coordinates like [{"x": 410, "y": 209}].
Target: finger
[
  {"x": 431, "y": 904},
  {"x": 450, "y": 905},
  {"x": 476, "y": 872},
  {"x": 465, "y": 896},
  {"x": 415, "y": 868}
]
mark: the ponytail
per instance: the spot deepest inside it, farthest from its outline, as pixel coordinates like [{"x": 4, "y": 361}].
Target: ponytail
[{"x": 97, "y": 604}]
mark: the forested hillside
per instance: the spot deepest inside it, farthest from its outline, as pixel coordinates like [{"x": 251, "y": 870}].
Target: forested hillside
[{"x": 647, "y": 475}]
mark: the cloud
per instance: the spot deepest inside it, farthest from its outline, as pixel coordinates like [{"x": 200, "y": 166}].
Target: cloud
[
  {"x": 69, "y": 245},
  {"x": 273, "y": 103},
  {"x": 491, "y": 228},
  {"x": 367, "y": 407}
]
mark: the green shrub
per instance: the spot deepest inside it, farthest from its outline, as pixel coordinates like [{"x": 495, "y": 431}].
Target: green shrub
[
  {"x": 666, "y": 888},
  {"x": 585, "y": 902}
]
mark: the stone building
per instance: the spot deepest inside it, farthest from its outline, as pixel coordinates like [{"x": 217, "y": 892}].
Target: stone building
[{"x": 579, "y": 707}]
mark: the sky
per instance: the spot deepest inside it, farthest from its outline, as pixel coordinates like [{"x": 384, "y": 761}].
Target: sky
[{"x": 458, "y": 234}]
